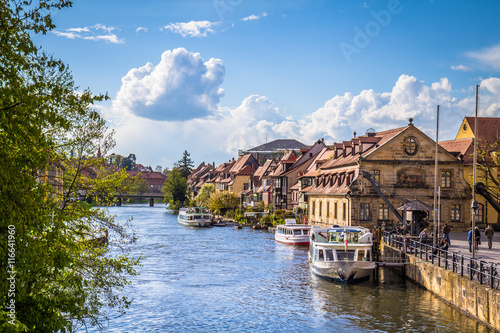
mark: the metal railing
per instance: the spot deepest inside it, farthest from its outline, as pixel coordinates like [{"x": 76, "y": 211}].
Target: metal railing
[{"x": 479, "y": 270}]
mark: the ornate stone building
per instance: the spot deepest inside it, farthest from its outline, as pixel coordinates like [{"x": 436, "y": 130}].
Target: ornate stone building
[{"x": 401, "y": 164}]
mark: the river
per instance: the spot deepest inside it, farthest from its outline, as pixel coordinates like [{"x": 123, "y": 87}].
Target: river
[{"x": 223, "y": 279}]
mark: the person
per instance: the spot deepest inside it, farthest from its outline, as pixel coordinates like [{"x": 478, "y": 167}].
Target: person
[
  {"x": 469, "y": 238},
  {"x": 443, "y": 246},
  {"x": 423, "y": 234},
  {"x": 489, "y": 234},
  {"x": 446, "y": 233},
  {"x": 478, "y": 236}
]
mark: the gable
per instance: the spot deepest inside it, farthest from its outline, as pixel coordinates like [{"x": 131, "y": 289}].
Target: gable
[
  {"x": 410, "y": 144},
  {"x": 465, "y": 131}
]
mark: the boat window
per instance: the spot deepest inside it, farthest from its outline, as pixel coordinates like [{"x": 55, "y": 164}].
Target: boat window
[
  {"x": 361, "y": 255},
  {"x": 320, "y": 255},
  {"x": 342, "y": 255},
  {"x": 329, "y": 255},
  {"x": 297, "y": 232}
]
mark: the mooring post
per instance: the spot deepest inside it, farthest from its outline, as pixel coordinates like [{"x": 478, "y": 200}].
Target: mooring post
[{"x": 151, "y": 202}]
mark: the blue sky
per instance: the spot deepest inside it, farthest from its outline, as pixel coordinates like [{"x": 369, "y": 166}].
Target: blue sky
[{"x": 215, "y": 76}]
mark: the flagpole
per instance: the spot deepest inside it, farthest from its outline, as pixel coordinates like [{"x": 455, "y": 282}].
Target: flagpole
[
  {"x": 435, "y": 177},
  {"x": 474, "y": 205}
]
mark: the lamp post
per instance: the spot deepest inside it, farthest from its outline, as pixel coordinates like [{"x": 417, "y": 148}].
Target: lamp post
[{"x": 435, "y": 178}]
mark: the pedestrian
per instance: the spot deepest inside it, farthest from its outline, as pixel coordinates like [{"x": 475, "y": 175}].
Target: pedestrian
[
  {"x": 489, "y": 234},
  {"x": 446, "y": 233},
  {"x": 469, "y": 238},
  {"x": 478, "y": 236},
  {"x": 423, "y": 234}
]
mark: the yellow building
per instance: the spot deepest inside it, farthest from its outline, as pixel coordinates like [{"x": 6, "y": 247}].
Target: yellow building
[{"x": 488, "y": 129}]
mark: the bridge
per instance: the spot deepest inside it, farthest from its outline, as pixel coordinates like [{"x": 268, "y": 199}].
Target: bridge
[{"x": 151, "y": 196}]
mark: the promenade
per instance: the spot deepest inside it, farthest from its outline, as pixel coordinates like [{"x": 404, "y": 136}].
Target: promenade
[{"x": 460, "y": 244}]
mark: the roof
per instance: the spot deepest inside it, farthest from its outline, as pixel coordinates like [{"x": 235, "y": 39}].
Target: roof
[
  {"x": 261, "y": 171},
  {"x": 243, "y": 161},
  {"x": 458, "y": 147},
  {"x": 246, "y": 170},
  {"x": 488, "y": 128},
  {"x": 336, "y": 182},
  {"x": 279, "y": 145}
]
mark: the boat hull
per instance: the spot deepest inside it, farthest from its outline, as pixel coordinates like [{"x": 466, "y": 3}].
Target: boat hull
[
  {"x": 344, "y": 271},
  {"x": 196, "y": 224},
  {"x": 291, "y": 240}
]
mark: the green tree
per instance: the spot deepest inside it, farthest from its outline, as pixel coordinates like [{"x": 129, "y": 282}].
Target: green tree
[
  {"x": 204, "y": 194},
  {"x": 175, "y": 189},
  {"x": 223, "y": 202},
  {"x": 185, "y": 164},
  {"x": 48, "y": 133},
  {"x": 128, "y": 163}
]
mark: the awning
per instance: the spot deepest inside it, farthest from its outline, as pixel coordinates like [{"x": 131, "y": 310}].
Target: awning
[{"x": 415, "y": 205}]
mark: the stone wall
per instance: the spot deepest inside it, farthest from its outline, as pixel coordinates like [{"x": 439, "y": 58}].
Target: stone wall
[{"x": 469, "y": 296}]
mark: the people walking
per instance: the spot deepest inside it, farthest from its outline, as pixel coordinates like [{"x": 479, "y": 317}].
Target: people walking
[
  {"x": 489, "y": 234},
  {"x": 469, "y": 238},
  {"x": 446, "y": 233}
]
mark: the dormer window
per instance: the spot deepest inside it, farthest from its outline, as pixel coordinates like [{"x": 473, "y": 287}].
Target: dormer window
[{"x": 410, "y": 146}]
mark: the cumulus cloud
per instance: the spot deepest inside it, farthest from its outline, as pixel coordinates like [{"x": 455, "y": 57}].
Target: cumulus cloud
[
  {"x": 180, "y": 87},
  {"x": 460, "y": 68},
  {"x": 192, "y": 28},
  {"x": 489, "y": 56},
  {"x": 97, "y": 32},
  {"x": 141, "y": 29},
  {"x": 254, "y": 17},
  {"x": 178, "y": 100}
]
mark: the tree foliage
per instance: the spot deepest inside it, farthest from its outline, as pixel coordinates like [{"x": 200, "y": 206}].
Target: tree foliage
[
  {"x": 488, "y": 162},
  {"x": 185, "y": 164},
  {"x": 204, "y": 195},
  {"x": 48, "y": 135},
  {"x": 223, "y": 202},
  {"x": 175, "y": 189}
]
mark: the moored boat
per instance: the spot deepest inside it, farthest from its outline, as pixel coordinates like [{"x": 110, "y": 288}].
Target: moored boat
[
  {"x": 341, "y": 253},
  {"x": 292, "y": 233},
  {"x": 195, "y": 217}
]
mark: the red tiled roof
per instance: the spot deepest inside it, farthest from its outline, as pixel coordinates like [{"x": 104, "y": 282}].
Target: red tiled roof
[
  {"x": 460, "y": 146},
  {"x": 488, "y": 128}
]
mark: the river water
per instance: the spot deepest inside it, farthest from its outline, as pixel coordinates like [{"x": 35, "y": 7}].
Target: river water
[{"x": 222, "y": 279}]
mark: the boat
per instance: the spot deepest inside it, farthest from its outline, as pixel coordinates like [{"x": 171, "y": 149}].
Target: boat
[
  {"x": 292, "y": 233},
  {"x": 342, "y": 254},
  {"x": 195, "y": 217}
]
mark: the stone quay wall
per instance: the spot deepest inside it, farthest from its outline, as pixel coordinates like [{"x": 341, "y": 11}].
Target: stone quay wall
[{"x": 478, "y": 301}]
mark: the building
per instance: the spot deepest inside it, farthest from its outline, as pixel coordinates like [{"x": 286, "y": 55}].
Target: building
[
  {"x": 241, "y": 173},
  {"x": 222, "y": 177},
  {"x": 463, "y": 147},
  {"x": 273, "y": 150},
  {"x": 263, "y": 182},
  {"x": 154, "y": 179},
  {"x": 369, "y": 177},
  {"x": 203, "y": 174}
]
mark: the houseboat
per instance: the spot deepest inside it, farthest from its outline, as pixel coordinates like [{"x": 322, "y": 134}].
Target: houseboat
[
  {"x": 292, "y": 233},
  {"x": 341, "y": 253},
  {"x": 195, "y": 217}
]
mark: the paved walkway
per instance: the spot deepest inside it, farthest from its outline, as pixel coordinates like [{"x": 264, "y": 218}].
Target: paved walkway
[{"x": 460, "y": 244}]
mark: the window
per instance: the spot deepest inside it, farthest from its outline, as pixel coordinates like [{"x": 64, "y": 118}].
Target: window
[
  {"x": 335, "y": 211},
  {"x": 446, "y": 179},
  {"x": 480, "y": 213},
  {"x": 344, "y": 211},
  {"x": 328, "y": 209},
  {"x": 313, "y": 212},
  {"x": 376, "y": 175},
  {"x": 383, "y": 212},
  {"x": 364, "y": 212},
  {"x": 410, "y": 146},
  {"x": 320, "y": 210},
  {"x": 455, "y": 212}
]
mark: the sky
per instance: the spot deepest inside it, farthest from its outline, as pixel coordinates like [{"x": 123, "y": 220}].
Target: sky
[{"x": 215, "y": 76}]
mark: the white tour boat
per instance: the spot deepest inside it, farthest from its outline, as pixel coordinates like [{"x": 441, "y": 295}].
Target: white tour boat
[
  {"x": 292, "y": 233},
  {"x": 195, "y": 217},
  {"x": 341, "y": 253}
]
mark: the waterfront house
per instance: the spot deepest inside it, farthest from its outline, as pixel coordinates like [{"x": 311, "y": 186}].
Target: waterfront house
[
  {"x": 222, "y": 177},
  {"x": 153, "y": 179},
  {"x": 286, "y": 174},
  {"x": 203, "y": 174},
  {"x": 241, "y": 173},
  {"x": 401, "y": 161},
  {"x": 263, "y": 182}
]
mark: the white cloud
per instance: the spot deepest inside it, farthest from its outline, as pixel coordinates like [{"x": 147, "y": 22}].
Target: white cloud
[
  {"x": 180, "y": 87},
  {"x": 97, "y": 32},
  {"x": 489, "y": 56},
  {"x": 461, "y": 68},
  {"x": 254, "y": 17},
  {"x": 141, "y": 29},
  {"x": 174, "y": 106},
  {"x": 192, "y": 28}
]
